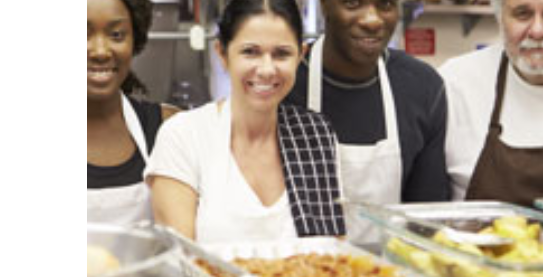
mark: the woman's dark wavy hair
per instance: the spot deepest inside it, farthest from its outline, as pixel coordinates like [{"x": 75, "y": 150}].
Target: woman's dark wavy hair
[
  {"x": 237, "y": 11},
  {"x": 141, "y": 13}
]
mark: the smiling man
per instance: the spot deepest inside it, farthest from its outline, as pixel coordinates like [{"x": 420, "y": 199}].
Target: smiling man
[
  {"x": 495, "y": 136},
  {"x": 388, "y": 109}
]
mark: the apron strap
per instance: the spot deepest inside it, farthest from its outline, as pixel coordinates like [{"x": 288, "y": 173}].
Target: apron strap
[
  {"x": 314, "y": 94},
  {"x": 501, "y": 172},
  {"x": 500, "y": 93},
  {"x": 134, "y": 126}
]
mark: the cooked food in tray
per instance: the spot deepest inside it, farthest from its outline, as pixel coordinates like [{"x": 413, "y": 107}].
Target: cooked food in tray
[
  {"x": 313, "y": 265},
  {"x": 526, "y": 248},
  {"x": 302, "y": 257},
  {"x": 100, "y": 261}
]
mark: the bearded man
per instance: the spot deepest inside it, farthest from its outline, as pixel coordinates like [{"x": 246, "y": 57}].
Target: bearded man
[{"x": 494, "y": 144}]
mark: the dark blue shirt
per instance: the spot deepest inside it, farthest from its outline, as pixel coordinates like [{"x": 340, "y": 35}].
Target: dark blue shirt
[{"x": 356, "y": 111}]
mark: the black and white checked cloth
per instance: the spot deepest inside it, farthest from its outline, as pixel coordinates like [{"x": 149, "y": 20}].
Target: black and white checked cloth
[{"x": 308, "y": 152}]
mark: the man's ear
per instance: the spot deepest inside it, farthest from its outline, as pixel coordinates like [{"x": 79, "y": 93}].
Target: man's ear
[{"x": 221, "y": 52}]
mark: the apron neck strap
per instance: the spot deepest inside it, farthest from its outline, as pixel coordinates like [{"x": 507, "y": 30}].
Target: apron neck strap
[
  {"x": 134, "y": 126},
  {"x": 314, "y": 95},
  {"x": 500, "y": 93}
]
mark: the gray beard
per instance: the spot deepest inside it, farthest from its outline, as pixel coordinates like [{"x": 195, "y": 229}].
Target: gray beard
[
  {"x": 523, "y": 65},
  {"x": 520, "y": 63}
]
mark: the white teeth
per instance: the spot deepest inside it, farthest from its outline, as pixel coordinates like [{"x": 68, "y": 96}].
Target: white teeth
[
  {"x": 100, "y": 74},
  {"x": 262, "y": 88},
  {"x": 101, "y": 70},
  {"x": 369, "y": 40}
]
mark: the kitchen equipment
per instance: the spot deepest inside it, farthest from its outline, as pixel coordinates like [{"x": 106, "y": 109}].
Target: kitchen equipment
[
  {"x": 383, "y": 214},
  {"x": 148, "y": 250},
  {"x": 538, "y": 203},
  {"x": 283, "y": 249},
  {"x": 415, "y": 247}
]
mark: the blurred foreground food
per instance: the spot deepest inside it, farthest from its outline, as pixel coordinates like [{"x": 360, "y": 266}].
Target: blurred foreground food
[
  {"x": 526, "y": 249},
  {"x": 100, "y": 261},
  {"x": 310, "y": 265}
]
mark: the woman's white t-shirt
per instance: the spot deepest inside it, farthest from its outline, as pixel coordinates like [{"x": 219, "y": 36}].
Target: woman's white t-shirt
[{"x": 194, "y": 148}]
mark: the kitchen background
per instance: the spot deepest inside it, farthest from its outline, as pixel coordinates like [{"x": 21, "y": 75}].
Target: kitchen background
[{"x": 187, "y": 73}]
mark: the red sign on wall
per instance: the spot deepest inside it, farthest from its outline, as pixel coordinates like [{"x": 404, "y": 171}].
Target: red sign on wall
[{"x": 420, "y": 41}]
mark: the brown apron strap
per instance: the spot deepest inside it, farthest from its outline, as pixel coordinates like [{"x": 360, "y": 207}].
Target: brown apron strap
[
  {"x": 505, "y": 173},
  {"x": 500, "y": 93}
]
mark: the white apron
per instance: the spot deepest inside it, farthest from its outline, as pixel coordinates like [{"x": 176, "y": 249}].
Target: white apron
[
  {"x": 371, "y": 173},
  {"x": 127, "y": 204},
  {"x": 227, "y": 198}
]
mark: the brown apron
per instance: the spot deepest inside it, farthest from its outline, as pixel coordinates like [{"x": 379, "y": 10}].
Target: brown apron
[{"x": 506, "y": 173}]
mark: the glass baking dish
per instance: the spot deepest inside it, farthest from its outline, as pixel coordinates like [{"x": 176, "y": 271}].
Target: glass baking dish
[
  {"x": 408, "y": 244},
  {"x": 538, "y": 203}
]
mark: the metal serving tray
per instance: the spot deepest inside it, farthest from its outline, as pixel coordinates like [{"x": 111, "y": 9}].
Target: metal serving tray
[
  {"x": 286, "y": 248},
  {"x": 148, "y": 250}
]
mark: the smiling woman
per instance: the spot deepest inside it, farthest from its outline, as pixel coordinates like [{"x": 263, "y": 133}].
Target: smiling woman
[
  {"x": 262, "y": 65},
  {"x": 250, "y": 167},
  {"x": 120, "y": 130},
  {"x": 109, "y": 47}
]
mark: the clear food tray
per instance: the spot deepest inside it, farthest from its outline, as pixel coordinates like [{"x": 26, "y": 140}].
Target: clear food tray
[
  {"x": 407, "y": 245},
  {"x": 538, "y": 203},
  {"x": 287, "y": 248}
]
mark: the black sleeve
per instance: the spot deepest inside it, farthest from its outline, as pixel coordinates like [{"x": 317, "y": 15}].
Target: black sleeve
[{"x": 428, "y": 179}]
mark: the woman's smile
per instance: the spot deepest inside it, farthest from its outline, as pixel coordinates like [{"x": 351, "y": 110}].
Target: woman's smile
[
  {"x": 101, "y": 75},
  {"x": 263, "y": 88}
]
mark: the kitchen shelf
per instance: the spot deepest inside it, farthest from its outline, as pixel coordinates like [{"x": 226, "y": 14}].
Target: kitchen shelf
[
  {"x": 458, "y": 9},
  {"x": 469, "y": 14},
  {"x": 162, "y": 35}
]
